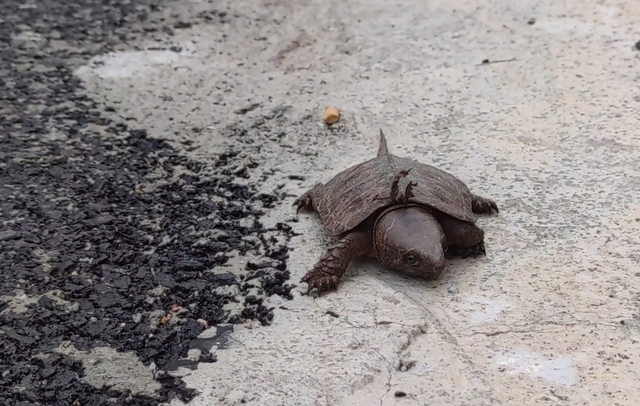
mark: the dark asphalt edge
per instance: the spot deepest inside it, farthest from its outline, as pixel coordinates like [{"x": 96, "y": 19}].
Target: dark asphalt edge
[{"x": 74, "y": 218}]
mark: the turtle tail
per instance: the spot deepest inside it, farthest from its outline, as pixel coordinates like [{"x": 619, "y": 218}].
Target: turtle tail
[{"x": 382, "y": 149}]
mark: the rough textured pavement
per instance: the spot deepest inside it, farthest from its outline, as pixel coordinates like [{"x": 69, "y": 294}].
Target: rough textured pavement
[{"x": 145, "y": 146}]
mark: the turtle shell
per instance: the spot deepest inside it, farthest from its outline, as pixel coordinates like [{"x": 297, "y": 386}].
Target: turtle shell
[{"x": 354, "y": 194}]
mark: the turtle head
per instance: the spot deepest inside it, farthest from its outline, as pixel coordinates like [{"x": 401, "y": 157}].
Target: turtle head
[{"x": 410, "y": 239}]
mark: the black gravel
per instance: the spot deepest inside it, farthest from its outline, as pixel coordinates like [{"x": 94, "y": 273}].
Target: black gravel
[{"x": 106, "y": 260}]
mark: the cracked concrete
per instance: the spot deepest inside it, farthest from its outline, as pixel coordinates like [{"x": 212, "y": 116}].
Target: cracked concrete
[{"x": 550, "y": 316}]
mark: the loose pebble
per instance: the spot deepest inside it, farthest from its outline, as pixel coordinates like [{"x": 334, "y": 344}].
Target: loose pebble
[{"x": 331, "y": 115}]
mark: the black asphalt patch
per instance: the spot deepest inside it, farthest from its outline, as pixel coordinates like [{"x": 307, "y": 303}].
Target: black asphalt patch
[{"x": 98, "y": 258}]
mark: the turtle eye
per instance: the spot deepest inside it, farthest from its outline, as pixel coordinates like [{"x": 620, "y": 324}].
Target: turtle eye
[{"x": 411, "y": 259}]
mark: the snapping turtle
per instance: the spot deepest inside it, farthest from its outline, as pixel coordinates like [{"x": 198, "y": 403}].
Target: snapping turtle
[{"x": 409, "y": 230}]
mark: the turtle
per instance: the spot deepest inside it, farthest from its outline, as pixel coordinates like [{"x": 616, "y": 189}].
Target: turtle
[{"x": 411, "y": 230}]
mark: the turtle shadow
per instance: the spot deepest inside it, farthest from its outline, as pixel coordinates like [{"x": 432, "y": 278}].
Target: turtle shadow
[{"x": 455, "y": 272}]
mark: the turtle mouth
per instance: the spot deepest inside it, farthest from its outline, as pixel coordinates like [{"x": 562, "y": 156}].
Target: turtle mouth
[
  {"x": 436, "y": 270},
  {"x": 430, "y": 271}
]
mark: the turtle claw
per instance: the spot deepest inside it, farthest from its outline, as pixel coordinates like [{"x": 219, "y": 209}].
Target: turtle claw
[
  {"x": 304, "y": 202},
  {"x": 482, "y": 205},
  {"x": 474, "y": 251},
  {"x": 408, "y": 191},
  {"x": 320, "y": 282}
]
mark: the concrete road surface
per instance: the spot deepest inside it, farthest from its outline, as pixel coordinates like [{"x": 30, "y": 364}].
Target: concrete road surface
[{"x": 532, "y": 103}]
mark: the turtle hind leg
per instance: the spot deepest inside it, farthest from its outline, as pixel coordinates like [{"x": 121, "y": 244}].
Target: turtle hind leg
[
  {"x": 330, "y": 268},
  {"x": 306, "y": 200},
  {"x": 483, "y": 205},
  {"x": 464, "y": 239}
]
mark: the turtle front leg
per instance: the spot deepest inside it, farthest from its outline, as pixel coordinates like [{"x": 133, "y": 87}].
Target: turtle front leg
[
  {"x": 306, "y": 200},
  {"x": 328, "y": 271},
  {"x": 464, "y": 239},
  {"x": 483, "y": 205}
]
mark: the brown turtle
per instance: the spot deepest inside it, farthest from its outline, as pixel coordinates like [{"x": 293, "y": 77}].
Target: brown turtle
[{"x": 408, "y": 230}]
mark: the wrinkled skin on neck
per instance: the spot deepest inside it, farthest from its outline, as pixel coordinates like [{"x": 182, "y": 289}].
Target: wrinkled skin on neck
[{"x": 410, "y": 239}]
